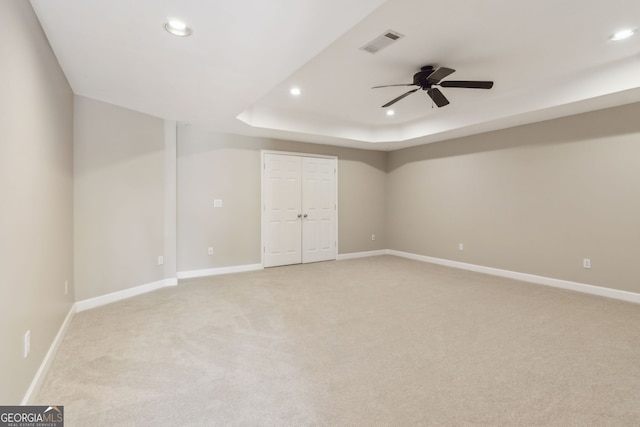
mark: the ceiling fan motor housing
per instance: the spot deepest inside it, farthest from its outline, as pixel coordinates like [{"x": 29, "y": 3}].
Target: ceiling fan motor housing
[{"x": 421, "y": 78}]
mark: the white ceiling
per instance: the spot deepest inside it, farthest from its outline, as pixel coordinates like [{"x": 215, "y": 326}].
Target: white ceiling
[{"x": 548, "y": 58}]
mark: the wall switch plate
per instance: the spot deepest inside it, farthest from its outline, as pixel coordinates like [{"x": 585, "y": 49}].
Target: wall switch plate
[
  {"x": 217, "y": 203},
  {"x": 160, "y": 260},
  {"x": 373, "y": 237},
  {"x": 586, "y": 263},
  {"x": 461, "y": 246},
  {"x": 210, "y": 251},
  {"x": 27, "y": 344}
]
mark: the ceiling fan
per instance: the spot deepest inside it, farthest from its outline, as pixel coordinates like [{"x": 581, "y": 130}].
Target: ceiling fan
[{"x": 428, "y": 77}]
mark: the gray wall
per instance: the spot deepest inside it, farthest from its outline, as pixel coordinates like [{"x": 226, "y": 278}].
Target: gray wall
[
  {"x": 221, "y": 166},
  {"x": 534, "y": 199},
  {"x": 119, "y": 207},
  {"x": 36, "y": 172}
]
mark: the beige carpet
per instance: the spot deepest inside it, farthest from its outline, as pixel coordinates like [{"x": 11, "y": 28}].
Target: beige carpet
[{"x": 378, "y": 341}]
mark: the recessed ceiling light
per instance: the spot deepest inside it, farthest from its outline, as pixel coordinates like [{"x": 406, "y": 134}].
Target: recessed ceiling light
[
  {"x": 295, "y": 91},
  {"x": 177, "y": 28},
  {"x": 623, "y": 34},
  {"x": 390, "y": 113}
]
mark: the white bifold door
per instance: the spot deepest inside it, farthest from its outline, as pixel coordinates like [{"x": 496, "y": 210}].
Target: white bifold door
[{"x": 299, "y": 212}]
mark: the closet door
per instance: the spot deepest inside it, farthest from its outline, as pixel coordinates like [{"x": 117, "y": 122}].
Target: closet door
[
  {"x": 299, "y": 209},
  {"x": 282, "y": 210},
  {"x": 319, "y": 209}
]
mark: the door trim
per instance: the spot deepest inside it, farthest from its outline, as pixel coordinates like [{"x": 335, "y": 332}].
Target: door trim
[{"x": 262, "y": 192}]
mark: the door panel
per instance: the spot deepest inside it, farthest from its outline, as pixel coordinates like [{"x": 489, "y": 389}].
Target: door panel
[
  {"x": 283, "y": 198},
  {"x": 318, "y": 203}
]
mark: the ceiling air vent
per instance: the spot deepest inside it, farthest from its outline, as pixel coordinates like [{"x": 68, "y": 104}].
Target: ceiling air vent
[{"x": 380, "y": 42}]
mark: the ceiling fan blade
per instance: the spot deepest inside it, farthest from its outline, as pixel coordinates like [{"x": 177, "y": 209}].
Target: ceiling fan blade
[
  {"x": 467, "y": 84},
  {"x": 401, "y": 84},
  {"x": 393, "y": 101},
  {"x": 437, "y": 96},
  {"x": 439, "y": 74}
]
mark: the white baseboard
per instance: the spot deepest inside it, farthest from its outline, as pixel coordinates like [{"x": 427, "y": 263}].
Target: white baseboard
[
  {"x": 531, "y": 278},
  {"x": 218, "y": 271},
  {"x": 38, "y": 379},
  {"x": 124, "y": 294},
  {"x": 354, "y": 255}
]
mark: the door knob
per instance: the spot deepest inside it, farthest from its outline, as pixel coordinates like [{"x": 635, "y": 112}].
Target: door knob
[
  {"x": 305, "y": 215},
  {"x": 299, "y": 215}
]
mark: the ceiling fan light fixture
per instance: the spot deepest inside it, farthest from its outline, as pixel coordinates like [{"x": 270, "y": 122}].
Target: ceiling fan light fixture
[
  {"x": 177, "y": 28},
  {"x": 623, "y": 34}
]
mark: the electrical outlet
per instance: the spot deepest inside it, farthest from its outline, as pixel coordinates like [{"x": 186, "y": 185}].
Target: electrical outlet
[
  {"x": 461, "y": 246},
  {"x": 586, "y": 263},
  {"x": 210, "y": 251},
  {"x": 27, "y": 344},
  {"x": 160, "y": 260},
  {"x": 373, "y": 237},
  {"x": 217, "y": 203}
]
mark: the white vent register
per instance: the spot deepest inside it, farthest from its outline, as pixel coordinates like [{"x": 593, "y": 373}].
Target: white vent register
[{"x": 382, "y": 41}]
